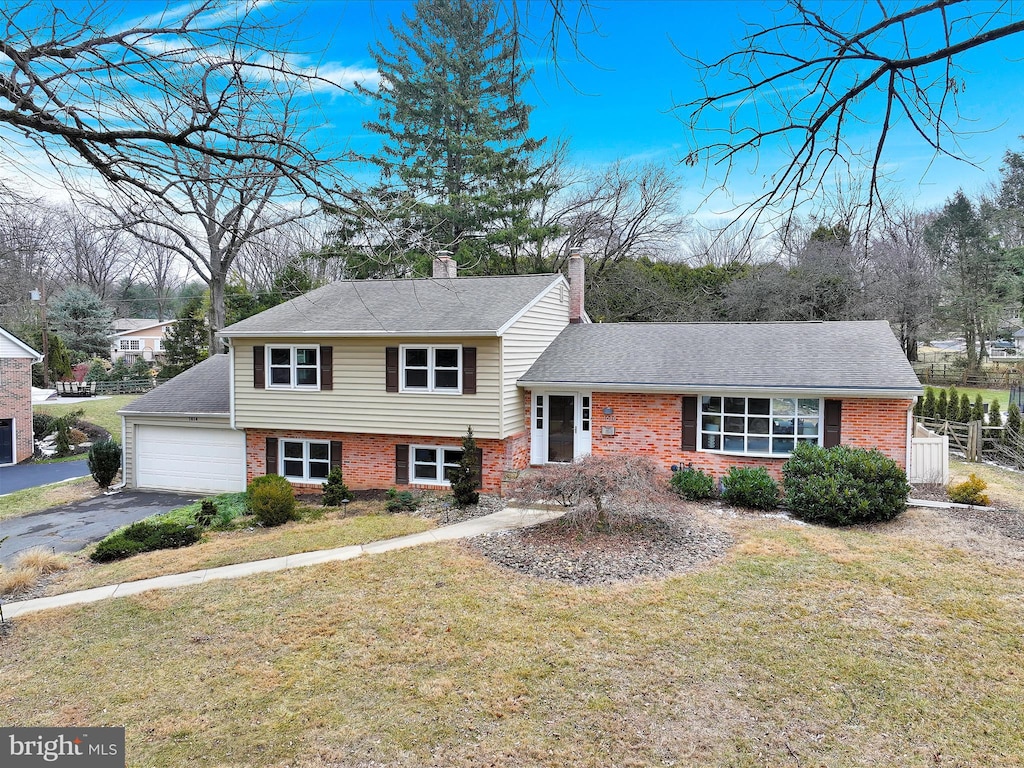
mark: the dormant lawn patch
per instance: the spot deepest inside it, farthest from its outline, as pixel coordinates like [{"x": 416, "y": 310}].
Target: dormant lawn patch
[{"x": 801, "y": 646}]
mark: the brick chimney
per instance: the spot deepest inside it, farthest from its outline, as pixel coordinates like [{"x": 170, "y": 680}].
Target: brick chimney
[
  {"x": 444, "y": 265},
  {"x": 575, "y": 286}
]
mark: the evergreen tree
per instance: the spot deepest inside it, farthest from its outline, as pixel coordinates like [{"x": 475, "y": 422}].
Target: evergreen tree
[
  {"x": 466, "y": 477},
  {"x": 954, "y": 403},
  {"x": 964, "y": 413},
  {"x": 185, "y": 343},
  {"x": 58, "y": 359},
  {"x": 978, "y": 409},
  {"x": 995, "y": 416},
  {"x": 1012, "y": 431},
  {"x": 928, "y": 410},
  {"x": 83, "y": 321},
  {"x": 457, "y": 162},
  {"x": 942, "y": 405}
]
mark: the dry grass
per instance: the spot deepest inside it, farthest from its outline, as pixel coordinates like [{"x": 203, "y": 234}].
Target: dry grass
[
  {"x": 37, "y": 499},
  {"x": 42, "y": 560},
  {"x": 804, "y": 647},
  {"x": 1005, "y": 487},
  {"x": 228, "y": 548},
  {"x": 17, "y": 581}
]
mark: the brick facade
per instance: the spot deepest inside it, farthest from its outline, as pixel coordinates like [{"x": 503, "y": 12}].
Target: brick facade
[
  {"x": 16, "y": 402},
  {"x": 368, "y": 461},
  {"x": 651, "y": 425}
]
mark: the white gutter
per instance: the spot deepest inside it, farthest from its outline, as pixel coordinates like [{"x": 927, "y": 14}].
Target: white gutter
[
  {"x": 326, "y": 334},
  {"x": 720, "y": 389}
]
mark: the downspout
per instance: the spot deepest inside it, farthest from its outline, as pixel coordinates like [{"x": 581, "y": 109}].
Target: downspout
[
  {"x": 231, "y": 384},
  {"x": 910, "y": 433}
]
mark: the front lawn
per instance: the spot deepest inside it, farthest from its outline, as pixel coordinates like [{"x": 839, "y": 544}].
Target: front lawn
[
  {"x": 803, "y": 646},
  {"x": 35, "y": 499},
  {"x": 99, "y": 411}
]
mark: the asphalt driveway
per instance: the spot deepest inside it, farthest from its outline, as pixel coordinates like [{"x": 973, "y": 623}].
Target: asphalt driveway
[
  {"x": 73, "y": 526},
  {"x": 22, "y": 476}
]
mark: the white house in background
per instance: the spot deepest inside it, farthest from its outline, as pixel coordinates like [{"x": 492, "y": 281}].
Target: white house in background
[
  {"x": 1018, "y": 340},
  {"x": 138, "y": 337}
]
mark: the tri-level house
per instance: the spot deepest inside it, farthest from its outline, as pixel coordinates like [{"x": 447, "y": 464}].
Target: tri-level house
[
  {"x": 16, "y": 359},
  {"x": 383, "y": 378}
]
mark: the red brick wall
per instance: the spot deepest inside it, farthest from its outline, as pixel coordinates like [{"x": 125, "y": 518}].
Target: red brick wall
[
  {"x": 16, "y": 402},
  {"x": 368, "y": 461},
  {"x": 651, "y": 425}
]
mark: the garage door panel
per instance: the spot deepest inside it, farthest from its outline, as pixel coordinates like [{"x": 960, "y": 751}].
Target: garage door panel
[{"x": 189, "y": 458}]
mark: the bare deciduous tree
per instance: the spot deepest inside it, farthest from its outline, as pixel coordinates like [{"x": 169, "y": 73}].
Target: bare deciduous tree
[{"x": 808, "y": 84}]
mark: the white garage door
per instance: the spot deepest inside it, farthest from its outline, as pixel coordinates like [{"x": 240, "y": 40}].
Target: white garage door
[{"x": 189, "y": 458}]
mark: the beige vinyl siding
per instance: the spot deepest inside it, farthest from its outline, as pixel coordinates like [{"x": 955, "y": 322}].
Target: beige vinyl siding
[
  {"x": 131, "y": 421},
  {"x": 523, "y": 343},
  {"x": 359, "y": 402}
]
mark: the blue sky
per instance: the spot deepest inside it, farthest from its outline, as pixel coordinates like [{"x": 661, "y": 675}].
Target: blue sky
[{"x": 618, "y": 103}]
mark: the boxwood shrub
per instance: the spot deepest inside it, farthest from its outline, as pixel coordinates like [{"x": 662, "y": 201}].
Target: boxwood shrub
[
  {"x": 750, "y": 487},
  {"x": 271, "y": 500},
  {"x": 693, "y": 484},
  {"x": 145, "y": 537},
  {"x": 843, "y": 485}
]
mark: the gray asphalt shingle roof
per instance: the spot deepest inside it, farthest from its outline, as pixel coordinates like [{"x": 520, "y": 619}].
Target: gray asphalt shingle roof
[
  {"x": 202, "y": 389},
  {"x": 372, "y": 307},
  {"x": 855, "y": 355}
]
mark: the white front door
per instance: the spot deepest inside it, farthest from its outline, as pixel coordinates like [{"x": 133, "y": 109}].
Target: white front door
[{"x": 560, "y": 426}]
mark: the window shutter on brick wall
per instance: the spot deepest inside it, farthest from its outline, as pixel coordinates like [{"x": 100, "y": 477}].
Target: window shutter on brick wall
[
  {"x": 402, "y": 464},
  {"x": 259, "y": 367},
  {"x": 391, "y": 369},
  {"x": 326, "y": 368},
  {"x": 335, "y": 454},
  {"x": 833, "y": 423},
  {"x": 271, "y": 456},
  {"x": 689, "y": 423},
  {"x": 469, "y": 370}
]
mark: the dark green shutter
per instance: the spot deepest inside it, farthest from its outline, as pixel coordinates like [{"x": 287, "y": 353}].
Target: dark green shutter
[
  {"x": 335, "y": 454},
  {"x": 833, "y": 423},
  {"x": 391, "y": 369},
  {"x": 326, "y": 368},
  {"x": 689, "y": 424},
  {"x": 402, "y": 464},
  {"x": 469, "y": 370},
  {"x": 271, "y": 456},
  {"x": 259, "y": 367}
]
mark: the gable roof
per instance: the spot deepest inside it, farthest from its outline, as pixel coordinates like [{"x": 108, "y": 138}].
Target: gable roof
[
  {"x": 12, "y": 346},
  {"x": 464, "y": 306},
  {"x": 829, "y": 357},
  {"x": 143, "y": 325},
  {"x": 203, "y": 389}
]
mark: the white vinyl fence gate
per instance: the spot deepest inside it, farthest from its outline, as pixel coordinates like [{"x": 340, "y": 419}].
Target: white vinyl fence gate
[{"x": 929, "y": 456}]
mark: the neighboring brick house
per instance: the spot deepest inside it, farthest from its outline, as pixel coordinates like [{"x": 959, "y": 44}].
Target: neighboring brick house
[
  {"x": 382, "y": 378},
  {"x": 16, "y": 359}
]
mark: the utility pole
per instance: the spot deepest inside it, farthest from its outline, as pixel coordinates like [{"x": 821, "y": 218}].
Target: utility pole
[{"x": 40, "y": 296}]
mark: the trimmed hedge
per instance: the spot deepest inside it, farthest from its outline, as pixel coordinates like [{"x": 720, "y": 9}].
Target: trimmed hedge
[
  {"x": 271, "y": 500},
  {"x": 843, "y": 485},
  {"x": 144, "y": 537},
  {"x": 693, "y": 484},
  {"x": 750, "y": 487}
]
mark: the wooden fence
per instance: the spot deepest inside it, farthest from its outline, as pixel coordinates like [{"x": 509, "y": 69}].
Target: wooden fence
[
  {"x": 976, "y": 441},
  {"x": 943, "y": 374},
  {"x": 125, "y": 386}
]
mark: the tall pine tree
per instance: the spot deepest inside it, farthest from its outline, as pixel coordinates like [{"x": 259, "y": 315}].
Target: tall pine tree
[{"x": 457, "y": 167}]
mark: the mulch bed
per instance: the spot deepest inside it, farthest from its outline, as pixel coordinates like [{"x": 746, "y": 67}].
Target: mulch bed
[{"x": 650, "y": 547}]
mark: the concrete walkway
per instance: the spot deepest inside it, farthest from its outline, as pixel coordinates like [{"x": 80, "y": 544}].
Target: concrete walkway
[{"x": 505, "y": 520}]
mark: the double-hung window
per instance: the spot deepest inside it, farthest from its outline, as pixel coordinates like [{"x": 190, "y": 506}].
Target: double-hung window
[
  {"x": 766, "y": 426},
  {"x": 433, "y": 464},
  {"x": 130, "y": 345},
  {"x": 305, "y": 460},
  {"x": 293, "y": 367},
  {"x": 431, "y": 369}
]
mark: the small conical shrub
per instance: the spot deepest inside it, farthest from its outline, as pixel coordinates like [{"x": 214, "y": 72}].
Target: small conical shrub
[
  {"x": 928, "y": 411},
  {"x": 104, "y": 462},
  {"x": 942, "y": 405},
  {"x": 978, "y": 409},
  {"x": 995, "y": 415}
]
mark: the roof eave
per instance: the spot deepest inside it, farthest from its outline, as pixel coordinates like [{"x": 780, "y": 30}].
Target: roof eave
[
  {"x": 354, "y": 334},
  {"x": 878, "y": 393}
]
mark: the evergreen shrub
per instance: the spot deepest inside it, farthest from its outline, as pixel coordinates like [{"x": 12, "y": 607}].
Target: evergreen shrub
[{"x": 843, "y": 485}]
